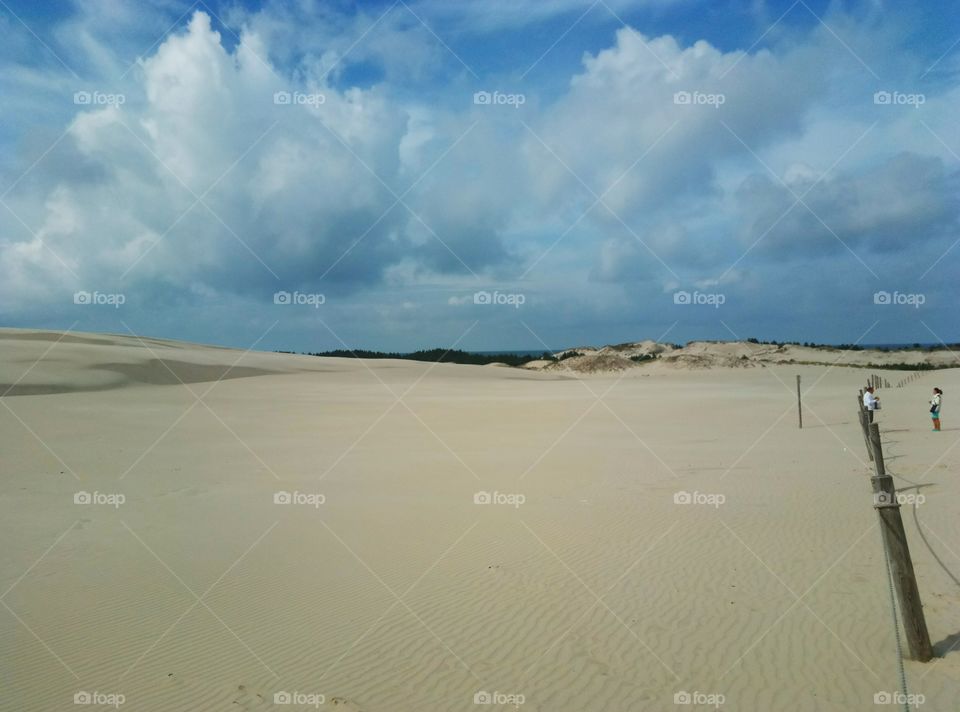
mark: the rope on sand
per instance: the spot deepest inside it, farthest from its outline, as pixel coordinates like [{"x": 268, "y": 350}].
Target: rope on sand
[{"x": 896, "y": 628}]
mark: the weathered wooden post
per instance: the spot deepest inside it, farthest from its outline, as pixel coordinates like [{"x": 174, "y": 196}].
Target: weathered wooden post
[
  {"x": 898, "y": 554},
  {"x": 799, "y": 407},
  {"x": 862, "y": 416}
]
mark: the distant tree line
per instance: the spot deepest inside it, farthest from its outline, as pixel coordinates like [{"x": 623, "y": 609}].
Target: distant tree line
[
  {"x": 858, "y": 347},
  {"x": 439, "y": 355}
]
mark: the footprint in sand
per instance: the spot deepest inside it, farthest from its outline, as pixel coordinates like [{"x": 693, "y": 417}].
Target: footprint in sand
[{"x": 246, "y": 699}]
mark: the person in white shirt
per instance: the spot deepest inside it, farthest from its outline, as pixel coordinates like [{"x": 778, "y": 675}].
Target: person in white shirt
[
  {"x": 870, "y": 402},
  {"x": 935, "y": 408}
]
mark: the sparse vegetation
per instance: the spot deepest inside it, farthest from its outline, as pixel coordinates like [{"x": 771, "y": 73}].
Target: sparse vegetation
[{"x": 881, "y": 366}]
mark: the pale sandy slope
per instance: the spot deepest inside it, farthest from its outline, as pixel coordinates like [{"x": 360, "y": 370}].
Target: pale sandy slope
[{"x": 399, "y": 593}]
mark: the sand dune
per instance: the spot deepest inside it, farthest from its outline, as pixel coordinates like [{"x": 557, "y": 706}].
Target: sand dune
[
  {"x": 650, "y": 355},
  {"x": 72, "y": 363},
  {"x": 398, "y": 591}
]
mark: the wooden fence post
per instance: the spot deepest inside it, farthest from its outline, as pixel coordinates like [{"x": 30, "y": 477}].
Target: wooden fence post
[
  {"x": 799, "y": 407},
  {"x": 898, "y": 554}
]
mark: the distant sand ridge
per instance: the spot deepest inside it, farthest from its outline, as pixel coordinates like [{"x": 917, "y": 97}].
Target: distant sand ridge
[
  {"x": 732, "y": 354},
  {"x": 82, "y": 364}
]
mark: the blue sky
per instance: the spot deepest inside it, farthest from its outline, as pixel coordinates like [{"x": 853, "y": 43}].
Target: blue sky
[{"x": 791, "y": 167}]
